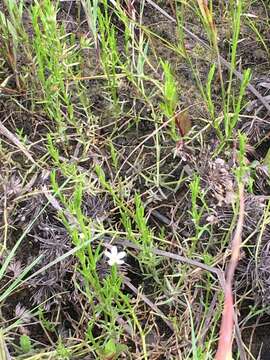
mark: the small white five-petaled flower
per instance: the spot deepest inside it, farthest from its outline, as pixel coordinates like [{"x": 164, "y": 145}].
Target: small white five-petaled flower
[{"x": 114, "y": 256}]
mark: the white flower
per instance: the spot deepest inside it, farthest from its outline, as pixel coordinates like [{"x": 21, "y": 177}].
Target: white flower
[{"x": 114, "y": 256}]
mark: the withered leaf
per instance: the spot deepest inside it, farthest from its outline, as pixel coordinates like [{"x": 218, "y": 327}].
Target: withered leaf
[{"x": 183, "y": 122}]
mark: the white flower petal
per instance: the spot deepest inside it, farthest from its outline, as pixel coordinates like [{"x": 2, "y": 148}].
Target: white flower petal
[
  {"x": 114, "y": 257},
  {"x": 121, "y": 255},
  {"x": 120, "y": 262},
  {"x": 107, "y": 253},
  {"x": 114, "y": 251},
  {"x": 111, "y": 262}
]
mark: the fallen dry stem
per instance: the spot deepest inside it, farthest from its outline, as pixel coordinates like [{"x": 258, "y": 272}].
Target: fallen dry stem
[
  {"x": 148, "y": 302},
  {"x": 14, "y": 139},
  {"x": 167, "y": 254}
]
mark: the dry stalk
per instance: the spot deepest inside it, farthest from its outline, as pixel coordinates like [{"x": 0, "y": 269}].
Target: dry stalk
[
  {"x": 13, "y": 138},
  {"x": 224, "y": 351}
]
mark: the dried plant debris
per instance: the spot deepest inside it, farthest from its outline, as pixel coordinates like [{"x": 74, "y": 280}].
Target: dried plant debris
[
  {"x": 46, "y": 236},
  {"x": 263, "y": 84},
  {"x": 261, "y": 273}
]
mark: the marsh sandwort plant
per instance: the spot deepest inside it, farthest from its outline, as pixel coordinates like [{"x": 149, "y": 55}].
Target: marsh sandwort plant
[{"x": 135, "y": 125}]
